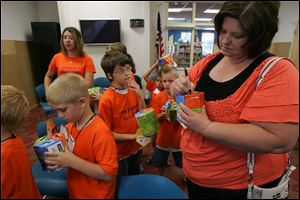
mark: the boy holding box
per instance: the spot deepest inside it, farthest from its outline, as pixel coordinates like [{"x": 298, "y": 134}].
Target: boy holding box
[
  {"x": 16, "y": 177},
  {"x": 168, "y": 136},
  {"x": 91, "y": 156},
  {"x": 118, "y": 106}
]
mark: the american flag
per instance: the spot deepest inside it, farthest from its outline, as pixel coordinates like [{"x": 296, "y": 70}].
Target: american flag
[{"x": 159, "y": 40}]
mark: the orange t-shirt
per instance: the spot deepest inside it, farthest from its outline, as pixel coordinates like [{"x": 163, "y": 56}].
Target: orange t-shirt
[
  {"x": 17, "y": 181},
  {"x": 168, "y": 134},
  {"x": 118, "y": 112},
  {"x": 95, "y": 144},
  {"x": 151, "y": 86},
  {"x": 211, "y": 164},
  {"x": 61, "y": 63}
]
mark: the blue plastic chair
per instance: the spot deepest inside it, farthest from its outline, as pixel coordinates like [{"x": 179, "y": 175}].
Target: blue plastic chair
[
  {"x": 40, "y": 91},
  {"x": 102, "y": 82},
  {"x": 42, "y": 128},
  {"x": 148, "y": 186},
  {"x": 50, "y": 183}
]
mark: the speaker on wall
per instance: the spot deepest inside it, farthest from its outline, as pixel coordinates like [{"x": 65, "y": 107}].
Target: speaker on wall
[
  {"x": 136, "y": 23},
  {"x": 46, "y": 39}
]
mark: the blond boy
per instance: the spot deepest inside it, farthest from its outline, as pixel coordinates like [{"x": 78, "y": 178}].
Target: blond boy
[
  {"x": 91, "y": 156},
  {"x": 16, "y": 177}
]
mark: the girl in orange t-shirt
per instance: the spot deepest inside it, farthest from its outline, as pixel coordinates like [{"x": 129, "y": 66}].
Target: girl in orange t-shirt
[
  {"x": 154, "y": 87},
  {"x": 71, "y": 59}
]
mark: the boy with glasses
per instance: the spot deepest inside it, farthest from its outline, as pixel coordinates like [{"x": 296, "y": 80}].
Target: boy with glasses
[{"x": 118, "y": 106}]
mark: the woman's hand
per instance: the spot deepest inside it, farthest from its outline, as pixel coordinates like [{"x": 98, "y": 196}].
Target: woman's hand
[
  {"x": 181, "y": 86},
  {"x": 197, "y": 122},
  {"x": 59, "y": 159}
]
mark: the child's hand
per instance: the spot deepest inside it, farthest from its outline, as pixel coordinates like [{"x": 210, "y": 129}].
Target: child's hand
[
  {"x": 132, "y": 85},
  {"x": 59, "y": 159},
  {"x": 96, "y": 96},
  {"x": 165, "y": 112}
]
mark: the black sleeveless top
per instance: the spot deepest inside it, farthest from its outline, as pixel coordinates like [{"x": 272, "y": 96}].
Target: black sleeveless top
[{"x": 214, "y": 90}]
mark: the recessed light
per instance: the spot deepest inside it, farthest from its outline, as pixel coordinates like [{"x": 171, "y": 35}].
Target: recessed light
[
  {"x": 203, "y": 19},
  {"x": 211, "y": 11}
]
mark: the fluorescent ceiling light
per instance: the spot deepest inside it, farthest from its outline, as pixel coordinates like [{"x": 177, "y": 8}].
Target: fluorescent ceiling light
[
  {"x": 203, "y": 19},
  {"x": 174, "y": 9},
  {"x": 211, "y": 11},
  {"x": 179, "y": 9},
  {"x": 187, "y": 9},
  {"x": 176, "y": 19}
]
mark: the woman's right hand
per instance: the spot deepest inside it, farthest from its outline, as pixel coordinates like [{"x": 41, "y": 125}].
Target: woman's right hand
[{"x": 180, "y": 86}]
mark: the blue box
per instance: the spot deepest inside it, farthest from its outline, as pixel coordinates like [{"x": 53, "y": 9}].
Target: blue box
[{"x": 47, "y": 146}]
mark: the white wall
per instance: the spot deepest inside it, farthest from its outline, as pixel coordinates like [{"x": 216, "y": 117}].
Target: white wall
[
  {"x": 16, "y": 17},
  {"x": 288, "y": 16},
  {"x": 47, "y": 11},
  {"x": 15, "y": 20},
  {"x": 136, "y": 39}
]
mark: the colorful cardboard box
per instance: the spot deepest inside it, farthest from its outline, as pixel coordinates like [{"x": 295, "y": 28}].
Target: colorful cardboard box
[
  {"x": 147, "y": 121},
  {"x": 193, "y": 101},
  {"x": 170, "y": 108},
  {"x": 47, "y": 145},
  {"x": 93, "y": 90}
]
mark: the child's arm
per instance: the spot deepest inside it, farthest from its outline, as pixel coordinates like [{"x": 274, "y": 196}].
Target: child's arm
[
  {"x": 147, "y": 74},
  {"x": 68, "y": 159},
  {"x": 122, "y": 137}
]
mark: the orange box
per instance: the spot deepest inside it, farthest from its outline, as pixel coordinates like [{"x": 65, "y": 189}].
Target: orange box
[{"x": 193, "y": 101}]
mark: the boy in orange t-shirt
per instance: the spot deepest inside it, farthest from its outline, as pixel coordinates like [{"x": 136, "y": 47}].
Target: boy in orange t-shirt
[
  {"x": 168, "y": 136},
  {"x": 91, "y": 153},
  {"x": 17, "y": 181},
  {"x": 118, "y": 106}
]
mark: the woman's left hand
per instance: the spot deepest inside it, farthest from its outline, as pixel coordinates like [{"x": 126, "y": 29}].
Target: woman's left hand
[{"x": 197, "y": 122}]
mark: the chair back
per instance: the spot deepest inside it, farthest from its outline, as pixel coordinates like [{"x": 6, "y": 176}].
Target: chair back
[
  {"x": 42, "y": 126},
  {"x": 50, "y": 183},
  {"x": 102, "y": 82},
  {"x": 40, "y": 91},
  {"x": 148, "y": 186}
]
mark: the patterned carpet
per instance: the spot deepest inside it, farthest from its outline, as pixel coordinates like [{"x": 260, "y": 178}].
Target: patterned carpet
[{"x": 29, "y": 134}]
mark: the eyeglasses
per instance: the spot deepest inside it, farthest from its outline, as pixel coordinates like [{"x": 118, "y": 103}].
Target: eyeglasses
[
  {"x": 124, "y": 69},
  {"x": 65, "y": 37}
]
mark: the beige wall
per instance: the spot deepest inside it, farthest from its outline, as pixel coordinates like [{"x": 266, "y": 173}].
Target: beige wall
[
  {"x": 17, "y": 67},
  {"x": 280, "y": 48}
]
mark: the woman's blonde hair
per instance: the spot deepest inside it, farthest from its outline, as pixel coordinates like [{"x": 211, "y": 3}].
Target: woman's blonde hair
[
  {"x": 67, "y": 88},
  {"x": 14, "y": 107}
]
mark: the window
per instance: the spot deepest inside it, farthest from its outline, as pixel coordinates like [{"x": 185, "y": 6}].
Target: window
[
  {"x": 207, "y": 39},
  {"x": 191, "y": 30},
  {"x": 186, "y": 36}
]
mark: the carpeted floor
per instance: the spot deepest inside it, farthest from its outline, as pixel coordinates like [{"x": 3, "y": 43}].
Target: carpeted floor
[{"x": 29, "y": 134}]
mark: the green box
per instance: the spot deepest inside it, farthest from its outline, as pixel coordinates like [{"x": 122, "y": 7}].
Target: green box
[
  {"x": 93, "y": 90},
  {"x": 147, "y": 121}
]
